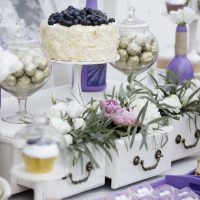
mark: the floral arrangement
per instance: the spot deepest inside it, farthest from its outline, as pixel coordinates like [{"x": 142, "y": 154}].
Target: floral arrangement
[
  {"x": 100, "y": 123},
  {"x": 172, "y": 99},
  {"x": 183, "y": 16}
]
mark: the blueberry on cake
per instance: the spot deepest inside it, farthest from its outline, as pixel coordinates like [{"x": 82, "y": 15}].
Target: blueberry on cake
[{"x": 80, "y": 35}]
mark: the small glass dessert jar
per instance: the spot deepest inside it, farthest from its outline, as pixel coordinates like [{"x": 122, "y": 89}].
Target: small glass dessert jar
[
  {"x": 25, "y": 69},
  {"x": 138, "y": 47},
  {"x": 40, "y": 147}
]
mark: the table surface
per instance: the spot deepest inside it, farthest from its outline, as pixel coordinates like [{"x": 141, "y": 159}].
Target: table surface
[
  {"x": 178, "y": 168},
  {"x": 37, "y": 105}
]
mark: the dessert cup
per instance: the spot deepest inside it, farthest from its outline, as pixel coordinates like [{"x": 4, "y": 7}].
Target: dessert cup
[{"x": 38, "y": 165}]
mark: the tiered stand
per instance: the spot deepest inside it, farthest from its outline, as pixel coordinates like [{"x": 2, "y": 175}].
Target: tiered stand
[
  {"x": 38, "y": 180},
  {"x": 77, "y": 69}
]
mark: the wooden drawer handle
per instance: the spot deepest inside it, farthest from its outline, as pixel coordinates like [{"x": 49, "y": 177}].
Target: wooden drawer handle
[
  {"x": 179, "y": 140},
  {"x": 137, "y": 161},
  {"x": 89, "y": 169}
]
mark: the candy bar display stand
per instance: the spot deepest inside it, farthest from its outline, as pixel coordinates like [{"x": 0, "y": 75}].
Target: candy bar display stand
[
  {"x": 135, "y": 164},
  {"x": 38, "y": 181},
  {"x": 67, "y": 183},
  {"x": 186, "y": 136},
  {"x": 74, "y": 180}
]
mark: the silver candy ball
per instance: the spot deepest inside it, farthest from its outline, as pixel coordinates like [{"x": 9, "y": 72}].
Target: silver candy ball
[
  {"x": 146, "y": 47},
  {"x": 121, "y": 64},
  {"x": 46, "y": 72},
  {"x": 11, "y": 80},
  {"x": 124, "y": 41},
  {"x": 38, "y": 77},
  {"x": 123, "y": 55},
  {"x": 134, "y": 49},
  {"x": 146, "y": 58},
  {"x": 154, "y": 48},
  {"x": 41, "y": 63},
  {"x": 19, "y": 73},
  {"x": 133, "y": 61},
  {"x": 24, "y": 82},
  {"x": 140, "y": 40},
  {"x": 30, "y": 69}
]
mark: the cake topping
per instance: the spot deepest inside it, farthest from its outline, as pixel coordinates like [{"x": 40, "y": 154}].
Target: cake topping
[{"x": 73, "y": 16}]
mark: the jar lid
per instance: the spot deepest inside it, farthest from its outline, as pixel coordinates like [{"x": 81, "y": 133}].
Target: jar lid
[
  {"x": 18, "y": 37},
  {"x": 132, "y": 21}
]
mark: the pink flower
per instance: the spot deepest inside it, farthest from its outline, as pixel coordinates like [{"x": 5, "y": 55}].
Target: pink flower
[
  {"x": 109, "y": 106},
  {"x": 124, "y": 117}
]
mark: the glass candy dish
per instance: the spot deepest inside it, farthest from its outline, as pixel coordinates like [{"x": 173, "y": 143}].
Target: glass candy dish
[
  {"x": 41, "y": 147},
  {"x": 30, "y": 72},
  {"x": 138, "y": 47}
]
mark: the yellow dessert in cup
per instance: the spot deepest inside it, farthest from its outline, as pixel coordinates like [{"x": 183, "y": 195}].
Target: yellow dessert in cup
[{"x": 39, "y": 155}]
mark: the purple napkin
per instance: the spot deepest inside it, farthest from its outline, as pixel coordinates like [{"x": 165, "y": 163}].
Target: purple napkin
[{"x": 141, "y": 190}]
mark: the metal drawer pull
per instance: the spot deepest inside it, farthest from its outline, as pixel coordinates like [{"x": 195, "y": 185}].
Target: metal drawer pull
[
  {"x": 138, "y": 161},
  {"x": 89, "y": 169},
  {"x": 179, "y": 140}
]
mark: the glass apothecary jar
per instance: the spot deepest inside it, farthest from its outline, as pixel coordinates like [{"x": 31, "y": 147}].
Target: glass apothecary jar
[
  {"x": 40, "y": 148},
  {"x": 25, "y": 69},
  {"x": 138, "y": 47}
]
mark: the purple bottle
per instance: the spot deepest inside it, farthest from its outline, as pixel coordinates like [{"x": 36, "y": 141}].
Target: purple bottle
[
  {"x": 93, "y": 77},
  {"x": 180, "y": 65}
]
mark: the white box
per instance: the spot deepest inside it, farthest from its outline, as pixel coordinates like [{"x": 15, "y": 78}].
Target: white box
[
  {"x": 64, "y": 188},
  {"x": 185, "y": 140},
  {"x": 122, "y": 170},
  {"x": 55, "y": 189}
]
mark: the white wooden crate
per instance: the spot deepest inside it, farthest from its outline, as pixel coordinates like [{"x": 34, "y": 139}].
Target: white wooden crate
[
  {"x": 62, "y": 188},
  {"x": 186, "y": 138},
  {"x": 122, "y": 170}
]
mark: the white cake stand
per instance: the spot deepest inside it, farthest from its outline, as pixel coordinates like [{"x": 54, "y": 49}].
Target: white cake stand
[
  {"x": 77, "y": 67},
  {"x": 39, "y": 180}
]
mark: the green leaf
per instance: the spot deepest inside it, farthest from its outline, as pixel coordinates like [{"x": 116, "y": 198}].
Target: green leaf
[
  {"x": 134, "y": 132},
  {"x": 155, "y": 83},
  {"x": 122, "y": 92},
  {"x": 113, "y": 92}
]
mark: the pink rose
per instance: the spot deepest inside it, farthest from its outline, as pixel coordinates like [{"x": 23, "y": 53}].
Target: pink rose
[
  {"x": 124, "y": 117},
  {"x": 109, "y": 106}
]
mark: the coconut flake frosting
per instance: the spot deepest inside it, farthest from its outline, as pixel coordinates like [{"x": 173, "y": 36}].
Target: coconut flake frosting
[{"x": 80, "y": 43}]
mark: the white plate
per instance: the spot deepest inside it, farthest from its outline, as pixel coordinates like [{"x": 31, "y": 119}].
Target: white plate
[{"x": 85, "y": 63}]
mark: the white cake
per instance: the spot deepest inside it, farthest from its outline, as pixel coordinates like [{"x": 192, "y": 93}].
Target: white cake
[
  {"x": 80, "y": 43},
  {"x": 85, "y": 35}
]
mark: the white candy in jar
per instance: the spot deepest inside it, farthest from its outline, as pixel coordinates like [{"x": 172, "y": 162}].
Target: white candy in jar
[
  {"x": 19, "y": 73},
  {"x": 38, "y": 77},
  {"x": 121, "y": 64},
  {"x": 123, "y": 55},
  {"x": 146, "y": 57},
  {"x": 11, "y": 80},
  {"x": 133, "y": 61},
  {"x": 46, "y": 72},
  {"x": 134, "y": 49},
  {"x": 124, "y": 42},
  {"x": 41, "y": 63},
  {"x": 23, "y": 82},
  {"x": 30, "y": 69}
]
